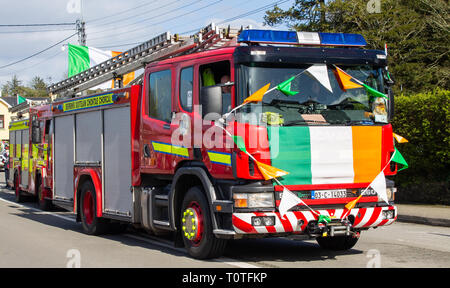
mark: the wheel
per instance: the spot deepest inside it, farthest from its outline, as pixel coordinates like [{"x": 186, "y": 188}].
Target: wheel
[
  {"x": 196, "y": 226},
  {"x": 18, "y": 192},
  {"x": 337, "y": 243},
  {"x": 92, "y": 225},
  {"x": 44, "y": 204}
]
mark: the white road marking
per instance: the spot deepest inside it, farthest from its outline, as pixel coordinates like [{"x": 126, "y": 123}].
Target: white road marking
[{"x": 157, "y": 242}]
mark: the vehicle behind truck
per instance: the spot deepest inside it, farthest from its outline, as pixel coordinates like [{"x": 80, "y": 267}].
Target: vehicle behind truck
[
  {"x": 30, "y": 164},
  {"x": 185, "y": 152}
]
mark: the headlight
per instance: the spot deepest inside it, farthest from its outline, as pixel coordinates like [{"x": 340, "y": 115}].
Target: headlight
[
  {"x": 253, "y": 200},
  {"x": 379, "y": 106},
  {"x": 390, "y": 192}
]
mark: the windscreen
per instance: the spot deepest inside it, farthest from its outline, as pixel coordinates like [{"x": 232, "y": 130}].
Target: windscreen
[{"x": 321, "y": 97}]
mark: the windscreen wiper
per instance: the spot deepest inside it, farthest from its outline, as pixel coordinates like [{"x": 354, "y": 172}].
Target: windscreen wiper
[{"x": 303, "y": 121}]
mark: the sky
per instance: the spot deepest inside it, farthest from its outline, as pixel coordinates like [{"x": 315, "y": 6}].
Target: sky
[{"x": 110, "y": 25}]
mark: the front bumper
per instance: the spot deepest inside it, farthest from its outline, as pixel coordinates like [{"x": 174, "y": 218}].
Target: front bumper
[{"x": 295, "y": 222}]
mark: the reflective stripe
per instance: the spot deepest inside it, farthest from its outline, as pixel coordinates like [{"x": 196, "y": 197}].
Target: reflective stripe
[
  {"x": 220, "y": 158},
  {"x": 20, "y": 125},
  {"x": 170, "y": 149}
]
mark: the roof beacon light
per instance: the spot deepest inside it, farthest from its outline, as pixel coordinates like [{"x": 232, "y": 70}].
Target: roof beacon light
[
  {"x": 342, "y": 39},
  {"x": 302, "y": 38},
  {"x": 268, "y": 36}
]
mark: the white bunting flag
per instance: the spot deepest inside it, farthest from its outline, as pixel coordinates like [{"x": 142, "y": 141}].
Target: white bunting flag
[
  {"x": 288, "y": 200},
  {"x": 320, "y": 72},
  {"x": 379, "y": 185}
]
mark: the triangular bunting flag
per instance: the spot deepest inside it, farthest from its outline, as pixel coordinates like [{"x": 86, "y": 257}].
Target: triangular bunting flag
[
  {"x": 240, "y": 143},
  {"x": 398, "y": 158},
  {"x": 288, "y": 200},
  {"x": 350, "y": 205},
  {"x": 285, "y": 87},
  {"x": 399, "y": 138},
  {"x": 374, "y": 92},
  {"x": 20, "y": 99},
  {"x": 270, "y": 172},
  {"x": 379, "y": 185},
  {"x": 320, "y": 72},
  {"x": 258, "y": 95},
  {"x": 344, "y": 80}
]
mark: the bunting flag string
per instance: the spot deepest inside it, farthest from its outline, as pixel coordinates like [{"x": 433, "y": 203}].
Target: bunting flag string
[{"x": 345, "y": 80}]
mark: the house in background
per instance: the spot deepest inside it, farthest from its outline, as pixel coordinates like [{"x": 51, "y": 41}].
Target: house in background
[{"x": 6, "y": 103}]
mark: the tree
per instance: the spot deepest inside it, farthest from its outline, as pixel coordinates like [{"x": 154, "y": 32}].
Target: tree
[
  {"x": 417, "y": 34},
  {"x": 13, "y": 87}
]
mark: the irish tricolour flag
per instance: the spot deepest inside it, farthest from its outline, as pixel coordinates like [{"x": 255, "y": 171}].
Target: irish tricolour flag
[
  {"x": 326, "y": 155},
  {"x": 82, "y": 58}
]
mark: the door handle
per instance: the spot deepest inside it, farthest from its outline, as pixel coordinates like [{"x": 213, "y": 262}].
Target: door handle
[
  {"x": 166, "y": 126},
  {"x": 146, "y": 151}
]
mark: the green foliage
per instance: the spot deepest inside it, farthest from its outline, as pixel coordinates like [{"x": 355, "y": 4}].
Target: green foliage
[
  {"x": 424, "y": 120},
  {"x": 417, "y": 33},
  {"x": 36, "y": 88}
]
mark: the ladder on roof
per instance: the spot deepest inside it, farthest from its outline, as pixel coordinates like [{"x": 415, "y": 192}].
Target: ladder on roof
[{"x": 160, "y": 47}]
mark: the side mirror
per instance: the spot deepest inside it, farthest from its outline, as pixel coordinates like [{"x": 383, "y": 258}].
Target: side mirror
[
  {"x": 391, "y": 104},
  {"x": 36, "y": 135},
  {"x": 211, "y": 101}
]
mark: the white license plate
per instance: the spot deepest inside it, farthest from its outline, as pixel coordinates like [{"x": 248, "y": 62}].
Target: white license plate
[{"x": 327, "y": 194}]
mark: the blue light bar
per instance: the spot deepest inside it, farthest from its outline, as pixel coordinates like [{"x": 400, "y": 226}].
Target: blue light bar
[
  {"x": 268, "y": 36},
  {"x": 342, "y": 39},
  {"x": 302, "y": 38}
]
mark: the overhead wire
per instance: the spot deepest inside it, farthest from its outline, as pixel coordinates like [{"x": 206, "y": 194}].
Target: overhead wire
[
  {"x": 163, "y": 21},
  {"x": 248, "y": 13},
  {"x": 37, "y": 53},
  {"x": 145, "y": 19}
]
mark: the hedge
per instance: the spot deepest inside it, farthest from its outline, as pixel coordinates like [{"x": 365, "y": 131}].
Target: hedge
[{"x": 424, "y": 120}]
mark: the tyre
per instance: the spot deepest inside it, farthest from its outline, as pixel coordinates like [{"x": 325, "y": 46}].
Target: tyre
[
  {"x": 337, "y": 243},
  {"x": 196, "y": 226},
  {"x": 17, "y": 191},
  {"x": 92, "y": 224},
  {"x": 44, "y": 204}
]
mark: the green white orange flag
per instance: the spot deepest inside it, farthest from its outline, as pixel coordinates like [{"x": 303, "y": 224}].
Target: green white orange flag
[
  {"x": 82, "y": 58},
  {"x": 285, "y": 87}
]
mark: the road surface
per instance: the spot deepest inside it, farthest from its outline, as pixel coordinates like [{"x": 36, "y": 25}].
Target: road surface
[{"x": 33, "y": 238}]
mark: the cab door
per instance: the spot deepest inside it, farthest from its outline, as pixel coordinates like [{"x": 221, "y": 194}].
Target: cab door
[{"x": 157, "y": 113}]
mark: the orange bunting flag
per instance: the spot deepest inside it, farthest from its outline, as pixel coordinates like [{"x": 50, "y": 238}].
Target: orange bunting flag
[
  {"x": 258, "y": 95},
  {"x": 270, "y": 172},
  {"x": 344, "y": 80},
  {"x": 350, "y": 205},
  {"x": 400, "y": 139}
]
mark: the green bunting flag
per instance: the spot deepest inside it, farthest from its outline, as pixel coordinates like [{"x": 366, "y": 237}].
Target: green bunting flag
[
  {"x": 285, "y": 87},
  {"x": 374, "y": 92},
  {"x": 240, "y": 143},
  {"x": 20, "y": 99},
  {"x": 324, "y": 218},
  {"x": 398, "y": 158}
]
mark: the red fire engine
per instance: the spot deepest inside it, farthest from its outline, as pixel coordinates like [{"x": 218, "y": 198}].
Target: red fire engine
[
  {"x": 30, "y": 156},
  {"x": 160, "y": 155}
]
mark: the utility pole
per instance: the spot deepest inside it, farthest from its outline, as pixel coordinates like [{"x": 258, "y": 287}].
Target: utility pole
[{"x": 81, "y": 32}]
